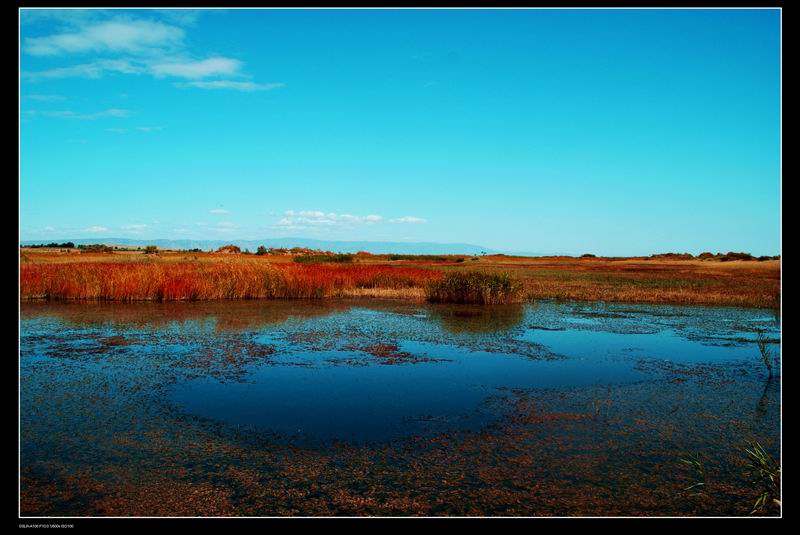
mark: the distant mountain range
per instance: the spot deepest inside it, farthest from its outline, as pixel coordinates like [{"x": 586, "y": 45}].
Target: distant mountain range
[{"x": 375, "y": 247}]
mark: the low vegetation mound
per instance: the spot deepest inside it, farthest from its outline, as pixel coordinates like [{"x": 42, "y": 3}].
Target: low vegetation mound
[
  {"x": 673, "y": 256},
  {"x": 735, "y": 256},
  {"x": 731, "y": 256},
  {"x": 96, "y": 248},
  {"x": 477, "y": 288},
  {"x": 320, "y": 258},
  {"x": 421, "y": 257}
]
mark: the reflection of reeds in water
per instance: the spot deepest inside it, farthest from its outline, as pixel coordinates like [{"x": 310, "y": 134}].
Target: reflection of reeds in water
[
  {"x": 763, "y": 402},
  {"x": 226, "y": 315},
  {"x": 240, "y": 315},
  {"x": 766, "y": 353},
  {"x": 458, "y": 319}
]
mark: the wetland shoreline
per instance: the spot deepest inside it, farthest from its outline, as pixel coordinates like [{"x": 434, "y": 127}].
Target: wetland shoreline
[{"x": 174, "y": 276}]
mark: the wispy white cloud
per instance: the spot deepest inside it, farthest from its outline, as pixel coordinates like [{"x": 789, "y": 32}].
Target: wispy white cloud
[
  {"x": 409, "y": 220},
  {"x": 95, "y": 229},
  {"x": 182, "y": 17},
  {"x": 44, "y": 98},
  {"x": 64, "y": 18},
  {"x": 130, "y": 36},
  {"x": 197, "y": 69},
  {"x": 296, "y": 220},
  {"x": 149, "y": 128},
  {"x": 88, "y": 70},
  {"x": 218, "y": 211},
  {"x": 69, "y": 114},
  {"x": 175, "y": 67},
  {"x": 231, "y": 84},
  {"x": 141, "y": 46}
]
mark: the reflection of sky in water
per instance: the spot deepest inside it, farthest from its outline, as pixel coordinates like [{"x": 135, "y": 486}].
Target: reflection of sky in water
[
  {"x": 664, "y": 345},
  {"x": 322, "y": 381},
  {"x": 378, "y": 401}
]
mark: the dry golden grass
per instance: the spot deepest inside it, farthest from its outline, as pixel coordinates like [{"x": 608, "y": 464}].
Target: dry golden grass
[{"x": 410, "y": 294}]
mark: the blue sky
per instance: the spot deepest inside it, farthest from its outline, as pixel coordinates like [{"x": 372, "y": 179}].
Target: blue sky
[{"x": 617, "y": 132}]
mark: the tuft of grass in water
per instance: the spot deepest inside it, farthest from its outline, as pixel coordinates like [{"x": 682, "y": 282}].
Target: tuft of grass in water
[
  {"x": 766, "y": 353},
  {"x": 765, "y": 469},
  {"x": 476, "y": 287},
  {"x": 768, "y": 477},
  {"x": 696, "y": 463}
]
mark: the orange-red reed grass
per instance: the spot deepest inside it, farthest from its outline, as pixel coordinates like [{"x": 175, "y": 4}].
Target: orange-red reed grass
[{"x": 152, "y": 281}]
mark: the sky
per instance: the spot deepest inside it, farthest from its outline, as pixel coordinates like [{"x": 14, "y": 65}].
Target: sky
[{"x": 615, "y": 132}]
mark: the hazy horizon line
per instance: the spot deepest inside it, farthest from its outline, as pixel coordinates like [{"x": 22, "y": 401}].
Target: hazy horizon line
[{"x": 489, "y": 250}]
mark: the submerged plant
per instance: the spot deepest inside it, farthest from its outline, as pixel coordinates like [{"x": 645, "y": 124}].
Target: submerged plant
[{"x": 768, "y": 476}]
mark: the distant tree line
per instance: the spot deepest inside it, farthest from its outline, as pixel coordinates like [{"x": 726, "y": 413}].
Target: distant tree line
[{"x": 53, "y": 245}]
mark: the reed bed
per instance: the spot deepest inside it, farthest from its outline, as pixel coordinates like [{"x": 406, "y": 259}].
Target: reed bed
[
  {"x": 193, "y": 281},
  {"x": 475, "y": 287}
]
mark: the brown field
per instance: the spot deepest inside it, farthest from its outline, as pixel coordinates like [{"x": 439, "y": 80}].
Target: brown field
[{"x": 132, "y": 275}]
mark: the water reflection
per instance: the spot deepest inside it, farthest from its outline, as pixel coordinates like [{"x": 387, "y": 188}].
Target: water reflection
[
  {"x": 477, "y": 318},
  {"x": 376, "y": 370},
  {"x": 226, "y": 315}
]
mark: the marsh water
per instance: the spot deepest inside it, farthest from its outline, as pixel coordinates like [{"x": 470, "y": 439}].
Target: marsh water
[{"x": 350, "y": 407}]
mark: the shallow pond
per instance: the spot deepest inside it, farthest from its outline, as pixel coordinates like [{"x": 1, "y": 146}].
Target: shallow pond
[{"x": 381, "y": 407}]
